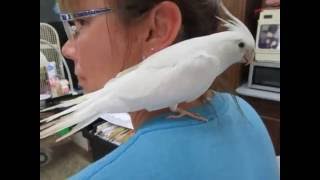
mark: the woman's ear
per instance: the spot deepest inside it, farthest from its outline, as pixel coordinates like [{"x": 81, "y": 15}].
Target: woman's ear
[{"x": 161, "y": 27}]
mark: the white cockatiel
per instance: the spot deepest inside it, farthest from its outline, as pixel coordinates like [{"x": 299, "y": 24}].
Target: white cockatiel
[{"x": 179, "y": 73}]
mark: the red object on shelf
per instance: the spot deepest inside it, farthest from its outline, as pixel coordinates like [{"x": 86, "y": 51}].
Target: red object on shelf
[{"x": 257, "y": 11}]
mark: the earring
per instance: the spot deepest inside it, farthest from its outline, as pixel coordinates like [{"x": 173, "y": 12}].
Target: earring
[{"x": 152, "y": 49}]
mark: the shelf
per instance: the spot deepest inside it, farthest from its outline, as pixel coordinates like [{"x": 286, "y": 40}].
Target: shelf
[{"x": 268, "y": 95}]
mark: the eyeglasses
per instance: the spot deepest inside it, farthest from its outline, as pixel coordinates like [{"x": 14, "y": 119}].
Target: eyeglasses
[{"x": 68, "y": 19}]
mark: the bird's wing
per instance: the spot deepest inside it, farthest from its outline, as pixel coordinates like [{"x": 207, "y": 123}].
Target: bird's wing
[{"x": 162, "y": 86}]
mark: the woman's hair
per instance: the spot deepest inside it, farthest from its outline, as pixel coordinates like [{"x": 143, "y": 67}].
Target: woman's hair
[{"x": 198, "y": 16}]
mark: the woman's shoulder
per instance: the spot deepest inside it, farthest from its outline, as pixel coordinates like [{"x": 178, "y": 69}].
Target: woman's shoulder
[
  {"x": 232, "y": 102},
  {"x": 159, "y": 135},
  {"x": 231, "y": 108}
]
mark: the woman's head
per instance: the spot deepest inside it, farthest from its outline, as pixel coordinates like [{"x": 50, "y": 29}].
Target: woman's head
[{"x": 106, "y": 44}]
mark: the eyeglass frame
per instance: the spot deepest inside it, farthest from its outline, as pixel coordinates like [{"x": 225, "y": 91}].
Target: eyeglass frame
[
  {"x": 86, "y": 13},
  {"x": 67, "y": 17}
]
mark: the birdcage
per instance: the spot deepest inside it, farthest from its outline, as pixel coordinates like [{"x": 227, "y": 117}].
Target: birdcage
[
  {"x": 44, "y": 83},
  {"x": 50, "y": 48}
]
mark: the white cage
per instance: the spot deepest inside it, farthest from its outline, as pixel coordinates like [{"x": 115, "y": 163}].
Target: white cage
[{"x": 50, "y": 48}]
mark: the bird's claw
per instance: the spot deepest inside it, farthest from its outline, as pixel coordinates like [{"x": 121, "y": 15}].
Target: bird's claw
[{"x": 183, "y": 112}]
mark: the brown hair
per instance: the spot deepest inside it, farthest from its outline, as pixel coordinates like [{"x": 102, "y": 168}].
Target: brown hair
[{"x": 198, "y": 16}]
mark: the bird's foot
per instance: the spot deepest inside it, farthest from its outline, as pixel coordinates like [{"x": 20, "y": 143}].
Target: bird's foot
[{"x": 183, "y": 112}]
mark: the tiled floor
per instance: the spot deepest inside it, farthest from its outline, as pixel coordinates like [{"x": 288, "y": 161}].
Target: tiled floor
[{"x": 67, "y": 159}]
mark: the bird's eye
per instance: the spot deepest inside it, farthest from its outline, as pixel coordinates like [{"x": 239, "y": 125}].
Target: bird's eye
[{"x": 241, "y": 45}]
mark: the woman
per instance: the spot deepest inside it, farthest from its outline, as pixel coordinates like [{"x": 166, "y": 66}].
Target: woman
[{"x": 119, "y": 34}]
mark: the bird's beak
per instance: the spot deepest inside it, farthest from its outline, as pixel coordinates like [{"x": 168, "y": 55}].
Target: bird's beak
[{"x": 248, "y": 57}]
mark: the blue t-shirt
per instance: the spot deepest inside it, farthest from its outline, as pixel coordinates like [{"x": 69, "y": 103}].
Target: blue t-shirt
[{"x": 231, "y": 146}]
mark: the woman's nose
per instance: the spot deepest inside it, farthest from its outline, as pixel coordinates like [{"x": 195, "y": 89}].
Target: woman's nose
[{"x": 69, "y": 50}]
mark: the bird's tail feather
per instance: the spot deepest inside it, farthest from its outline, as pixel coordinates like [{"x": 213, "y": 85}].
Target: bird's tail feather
[
  {"x": 65, "y": 104},
  {"x": 70, "y": 120},
  {"x": 78, "y": 127},
  {"x": 58, "y": 115},
  {"x": 68, "y": 111},
  {"x": 72, "y": 102}
]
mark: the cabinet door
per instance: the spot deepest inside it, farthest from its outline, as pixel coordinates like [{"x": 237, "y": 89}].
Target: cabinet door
[
  {"x": 269, "y": 112},
  {"x": 273, "y": 127}
]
